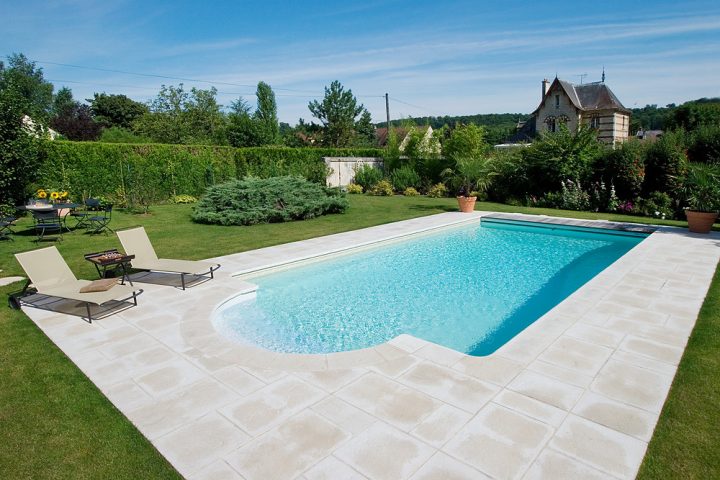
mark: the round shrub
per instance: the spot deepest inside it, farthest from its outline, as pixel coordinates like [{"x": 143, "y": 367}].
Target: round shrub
[
  {"x": 382, "y": 188},
  {"x": 437, "y": 191},
  {"x": 354, "y": 188},
  {"x": 410, "y": 192},
  {"x": 276, "y": 199},
  {"x": 405, "y": 177},
  {"x": 367, "y": 176}
]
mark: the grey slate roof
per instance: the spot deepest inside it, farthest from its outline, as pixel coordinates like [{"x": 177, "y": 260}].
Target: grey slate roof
[{"x": 590, "y": 96}]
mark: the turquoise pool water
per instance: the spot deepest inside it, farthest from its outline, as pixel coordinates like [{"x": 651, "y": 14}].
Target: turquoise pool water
[{"x": 470, "y": 288}]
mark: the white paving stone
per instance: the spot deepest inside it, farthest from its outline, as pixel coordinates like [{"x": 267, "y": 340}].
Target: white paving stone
[{"x": 577, "y": 394}]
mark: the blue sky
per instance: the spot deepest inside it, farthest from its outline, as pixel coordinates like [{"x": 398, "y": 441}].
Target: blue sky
[{"x": 433, "y": 58}]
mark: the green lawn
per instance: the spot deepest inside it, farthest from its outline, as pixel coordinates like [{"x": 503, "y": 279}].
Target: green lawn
[{"x": 54, "y": 423}]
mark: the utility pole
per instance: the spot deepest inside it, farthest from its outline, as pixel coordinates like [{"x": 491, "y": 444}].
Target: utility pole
[{"x": 387, "y": 113}]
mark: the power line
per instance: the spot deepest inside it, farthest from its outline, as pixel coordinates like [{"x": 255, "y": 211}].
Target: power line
[
  {"x": 166, "y": 77},
  {"x": 310, "y": 93},
  {"x": 411, "y": 105}
]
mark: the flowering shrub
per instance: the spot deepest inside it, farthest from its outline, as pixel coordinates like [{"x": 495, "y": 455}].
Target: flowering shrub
[
  {"x": 658, "y": 205},
  {"x": 382, "y": 188},
  {"x": 626, "y": 207},
  {"x": 438, "y": 190},
  {"x": 410, "y": 192},
  {"x": 603, "y": 199},
  {"x": 573, "y": 197},
  {"x": 354, "y": 188},
  {"x": 183, "y": 199}
]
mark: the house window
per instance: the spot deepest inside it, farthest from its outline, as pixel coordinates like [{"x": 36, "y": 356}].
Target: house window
[
  {"x": 551, "y": 124},
  {"x": 557, "y": 101},
  {"x": 595, "y": 122}
]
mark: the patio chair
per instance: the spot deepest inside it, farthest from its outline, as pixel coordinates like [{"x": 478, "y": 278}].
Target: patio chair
[
  {"x": 6, "y": 224},
  {"x": 136, "y": 242},
  {"x": 92, "y": 205},
  {"x": 47, "y": 222},
  {"x": 52, "y": 277},
  {"x": 101, "y": 220}
]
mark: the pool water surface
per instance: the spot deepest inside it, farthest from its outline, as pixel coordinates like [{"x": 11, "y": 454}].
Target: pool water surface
[{"x": 468, "y": 288}]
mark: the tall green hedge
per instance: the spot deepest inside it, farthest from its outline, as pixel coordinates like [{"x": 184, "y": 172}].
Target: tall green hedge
[
  {"x": 114, "y": 169},
  {"x": 266, "y": 162}
]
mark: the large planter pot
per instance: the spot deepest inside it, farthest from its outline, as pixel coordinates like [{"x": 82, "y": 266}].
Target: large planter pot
[
  {"x": 466, "y": 204},
  {"x": 700, "y": 222}
]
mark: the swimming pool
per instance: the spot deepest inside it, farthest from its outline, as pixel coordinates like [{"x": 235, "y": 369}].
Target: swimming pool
[{"x": 469, "y": 288}]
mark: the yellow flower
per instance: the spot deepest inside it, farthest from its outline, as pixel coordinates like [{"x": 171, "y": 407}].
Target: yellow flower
[
  {"x": 42, "y": 194},
  {"x": 64, "y": 194},
  {"x": 54, "y": 195}
]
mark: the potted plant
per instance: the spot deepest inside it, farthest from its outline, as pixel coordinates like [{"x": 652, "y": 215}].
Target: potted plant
[
  {"x": 702, "y": 191},
  {"x": 470, "y": 177}
]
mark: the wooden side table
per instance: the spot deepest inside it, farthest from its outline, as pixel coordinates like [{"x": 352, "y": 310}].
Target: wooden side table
[{"x": 111, "y": 258}]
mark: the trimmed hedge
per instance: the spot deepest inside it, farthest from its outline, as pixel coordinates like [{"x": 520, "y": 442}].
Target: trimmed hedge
[
  {"x": 266, "y": 162},
  {"x": 101, "y": 169},
  {"x": 113, "y": 169}
]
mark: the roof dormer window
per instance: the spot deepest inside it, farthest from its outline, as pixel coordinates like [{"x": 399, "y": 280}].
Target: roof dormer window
[{"x": 557, "y": 101}]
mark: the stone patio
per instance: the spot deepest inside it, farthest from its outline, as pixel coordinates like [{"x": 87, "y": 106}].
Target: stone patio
[{"x": 575, "y": 395}]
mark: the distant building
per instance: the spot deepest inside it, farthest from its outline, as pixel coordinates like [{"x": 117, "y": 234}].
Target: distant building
[
  {"x": 592, "y": 104},
  {"x": 649, "y": 135}
]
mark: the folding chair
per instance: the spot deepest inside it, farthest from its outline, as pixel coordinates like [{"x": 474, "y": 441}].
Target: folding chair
[
  {"x": 47, "y": 222},
  {"x": 92, "y": 205},
  {"x": 100, "y": 223},
  {"x": 5, "y": 228}
]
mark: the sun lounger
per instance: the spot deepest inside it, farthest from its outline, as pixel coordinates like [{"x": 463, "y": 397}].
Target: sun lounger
[
  {"x": 52, "y": 277},
  {"x": 136, "y": 242}
]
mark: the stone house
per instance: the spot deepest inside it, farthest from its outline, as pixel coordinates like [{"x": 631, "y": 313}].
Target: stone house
[{"x": 592, "y": 104}]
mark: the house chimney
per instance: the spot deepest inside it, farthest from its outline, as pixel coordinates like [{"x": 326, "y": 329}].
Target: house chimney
[{"x": 545, "y": 88}]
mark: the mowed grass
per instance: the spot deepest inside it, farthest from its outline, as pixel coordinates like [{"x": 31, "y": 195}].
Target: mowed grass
[
  {"x": 54, "y": 423},
  {"x": 686, "y": 442}
]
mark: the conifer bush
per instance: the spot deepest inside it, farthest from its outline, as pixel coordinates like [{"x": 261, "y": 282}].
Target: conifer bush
[{"x": 269, "y": 200}]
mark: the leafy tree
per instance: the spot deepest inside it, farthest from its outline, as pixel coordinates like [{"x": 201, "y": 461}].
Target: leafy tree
[
  {"x": 23, "y": 77},
  {"x": 559, "y": 156},
  {"x": 116, "y": 110},
  {"x": 266, "y": 114},
  {"x": 466, "y": 141},
  {"x": 76, "y": 123},
  {"x": 705, "y": 145},
  {"x": 691, "y": 115},
  {"x": 622, "y": 167},
  {"x": 338, "y": 112},
  {"x": 20, "y": 149},
  {"x": 242, "y": 129},
  {"x": 177, "y": 116},
  {"x": 365, "y": 131},
  {"x": 63, "y": 101},
  {"x": 665, "y": 164}
]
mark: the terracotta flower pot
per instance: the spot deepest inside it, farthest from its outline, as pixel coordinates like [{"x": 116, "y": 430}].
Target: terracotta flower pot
[
  {"x": 466, "y": 204},
  {"x": 700, "y": 222}
]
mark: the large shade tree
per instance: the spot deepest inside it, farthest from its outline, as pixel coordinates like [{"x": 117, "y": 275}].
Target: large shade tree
[
  {"x": 116, "y": 110},
  {"x": 178, "y": 116},
  {"x": 26, "y": 79},
  {"x": 20, "y": 148}
]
